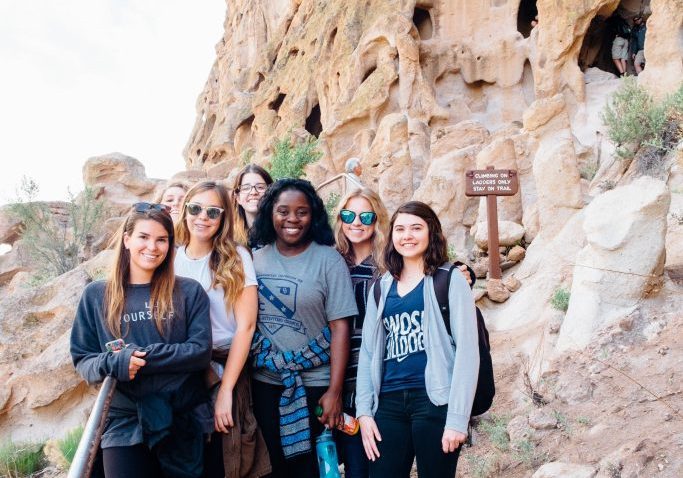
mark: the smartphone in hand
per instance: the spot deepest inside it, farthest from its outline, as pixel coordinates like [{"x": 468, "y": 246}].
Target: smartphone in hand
[{"x": 115, "y": 345}]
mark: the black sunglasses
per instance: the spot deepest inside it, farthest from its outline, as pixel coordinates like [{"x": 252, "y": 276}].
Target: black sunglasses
[
  {"x": 149, "y": 206},
  {"x": 212, "y": 212},
  {"x": 367, "y": 218}
]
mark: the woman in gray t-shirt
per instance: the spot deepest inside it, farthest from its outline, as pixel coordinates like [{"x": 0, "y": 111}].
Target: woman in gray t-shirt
[{"x": 302, "y": 343}]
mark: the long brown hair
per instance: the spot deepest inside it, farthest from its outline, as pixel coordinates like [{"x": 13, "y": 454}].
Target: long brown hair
[
  {"x": 163, "y": 278},
  {"x": 379, "y": 237},
  {"x": 241, "y": 227},
  {"x": 437, "y": 250},
  {"x": 225, "y": 261}
]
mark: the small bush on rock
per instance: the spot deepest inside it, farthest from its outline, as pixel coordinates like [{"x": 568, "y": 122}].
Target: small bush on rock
[
  {"x": 560, "y": 299},
  {"x": 289, "y": 158},
  {"x": 643, "y": 128}
]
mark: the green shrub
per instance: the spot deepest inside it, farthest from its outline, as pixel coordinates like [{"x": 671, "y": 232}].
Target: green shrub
[
  {"x": 496, "y": 430},
  {"x": 480, "y": 466},
  {"x": 21, "y": 459},
  {"x": 69, "y": 443},
  {"x": 54, "y": 243},
  {"x": 330, "y": 206},
  {"x": 635, "y": 120},
  {"x": 560, "y": 299},
  {"x": 289, "y": 158}
]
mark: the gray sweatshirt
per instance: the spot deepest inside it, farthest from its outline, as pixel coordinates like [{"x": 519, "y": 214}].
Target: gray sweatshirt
[{"x": 452, "y": 362}]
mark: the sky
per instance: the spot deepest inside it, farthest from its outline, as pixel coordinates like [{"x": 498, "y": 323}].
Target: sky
[{"x": 82, "y": 78}]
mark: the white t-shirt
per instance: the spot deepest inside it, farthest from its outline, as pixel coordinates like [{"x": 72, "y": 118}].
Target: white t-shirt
[{"x": 223, "y": 324}]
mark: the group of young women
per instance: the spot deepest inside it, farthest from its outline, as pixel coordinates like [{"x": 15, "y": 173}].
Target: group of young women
[{"x": 241, "y": 313}]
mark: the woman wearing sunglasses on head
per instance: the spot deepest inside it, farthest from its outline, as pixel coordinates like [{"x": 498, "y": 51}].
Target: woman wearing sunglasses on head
[
  {"x": 360, "y": 232},
  {"x": 416, "y": 380},
  {"x": 249, "y": 187},
  {"x": 151, "y": 331},
  {"x": 302, "y": 344},
  {"x": 225, "y": 270}
]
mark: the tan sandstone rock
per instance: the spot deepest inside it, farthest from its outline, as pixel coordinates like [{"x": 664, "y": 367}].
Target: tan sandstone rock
[
  {"x": 558, "y": 469},
  {"x": 625, "y": 231}
]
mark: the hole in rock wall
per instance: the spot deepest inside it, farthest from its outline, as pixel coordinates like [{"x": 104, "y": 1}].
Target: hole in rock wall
[
  {"x": 370, "y": 71},
  {"x": 275, "y": 104},
  {"x": 612, "y": 36},
  {"x": 423, "y": 22},
  {"x": 525, "y": 16},
  {"x": 313, "y": 124}
]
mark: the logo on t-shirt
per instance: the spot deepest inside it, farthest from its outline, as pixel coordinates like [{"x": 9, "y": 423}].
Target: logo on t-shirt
[
  {"x": 277, "y": 304},
  {"x": 404, "y": 335}
]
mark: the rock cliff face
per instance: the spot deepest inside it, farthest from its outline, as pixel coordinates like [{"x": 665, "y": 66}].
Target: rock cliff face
[{"x": 422, "y": 91}]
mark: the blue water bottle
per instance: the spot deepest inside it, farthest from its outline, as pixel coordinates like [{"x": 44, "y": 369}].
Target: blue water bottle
[{"x": 327, "y": 455}]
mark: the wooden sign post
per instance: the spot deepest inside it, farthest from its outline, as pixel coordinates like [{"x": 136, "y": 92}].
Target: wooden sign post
[{"x": 491, "y": 183}]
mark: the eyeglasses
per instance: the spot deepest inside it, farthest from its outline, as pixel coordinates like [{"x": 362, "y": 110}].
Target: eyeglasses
[
  {"x": 367, "y": 218},
  {"x": 246, "y": 188},
  {"x": 212, "y": 212},
  {"x": 148, "y": 206}
]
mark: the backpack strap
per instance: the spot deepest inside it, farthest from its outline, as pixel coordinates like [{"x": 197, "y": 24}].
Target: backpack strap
[
  {"x": 442, "y": 279},
  {"x": 376, "y": 290}
]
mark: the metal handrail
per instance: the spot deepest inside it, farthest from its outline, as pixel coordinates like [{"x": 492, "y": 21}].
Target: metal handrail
[
  {"x": 82, "y": 463},
  {"x": 351, "y": 177}
]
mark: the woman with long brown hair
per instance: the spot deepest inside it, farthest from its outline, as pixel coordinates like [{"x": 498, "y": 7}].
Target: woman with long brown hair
[
  {"x": 250, "y": 185},
  {"x": 150, "y": 331},
  {"x": 208, "y": 254},
  {"x": 416, "y": 379}
]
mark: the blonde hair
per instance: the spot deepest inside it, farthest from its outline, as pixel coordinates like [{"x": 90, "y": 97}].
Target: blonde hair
[
  {"x": 379, "y": 237},
  {"x": 176, "y": 184},
  {"x": 163, "y": 278},
  {"x": 225, "y": 261}
]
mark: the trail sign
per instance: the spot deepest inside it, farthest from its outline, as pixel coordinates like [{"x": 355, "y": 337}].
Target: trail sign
[
  {"x": 491, "y": 182},
  {"x": 482, "y": 182}
]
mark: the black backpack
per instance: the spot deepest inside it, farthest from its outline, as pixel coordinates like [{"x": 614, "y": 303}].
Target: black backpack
[{"x": 486, "y": 389}]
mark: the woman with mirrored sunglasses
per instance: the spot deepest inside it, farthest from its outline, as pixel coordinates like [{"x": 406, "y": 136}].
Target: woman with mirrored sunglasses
[
  {"x": 249, "y": 187},
  {"x": 360, "y": 233},
  {"x": 208, "y": 254},
  {"x": 151, "y": 331}
]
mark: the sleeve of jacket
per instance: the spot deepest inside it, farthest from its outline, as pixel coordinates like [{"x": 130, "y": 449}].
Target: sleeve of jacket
[
  {"x": 86, "y": 345},
  {"x": 364, "y": 388},
  {"x": 194, "y": 353},
  {"x": 466, "y": 364}
]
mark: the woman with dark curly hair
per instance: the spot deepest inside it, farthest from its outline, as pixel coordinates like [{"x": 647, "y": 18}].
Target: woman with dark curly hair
[
  {"x": 301, "y": 345},
  {"x": 416, "y": 381}
]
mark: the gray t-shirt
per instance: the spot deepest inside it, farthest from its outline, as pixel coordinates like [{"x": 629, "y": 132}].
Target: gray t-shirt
[{"x": 298, "y": 296}]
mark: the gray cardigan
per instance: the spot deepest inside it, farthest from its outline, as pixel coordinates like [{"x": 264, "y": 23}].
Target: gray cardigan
[{"x": 451, "y": 372}]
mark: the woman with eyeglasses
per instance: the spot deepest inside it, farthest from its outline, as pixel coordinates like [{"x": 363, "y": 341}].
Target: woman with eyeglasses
[
  {"x": 302, "y": 343},
  {"x": 249, "y": 187},
  {"x": 151, "y": 331},
  {"x": 416, "y": 380},
  {"x": 208, "y": 254},
  {"x": 172, "y": 196},
  {"x": 360, "y": 232}
]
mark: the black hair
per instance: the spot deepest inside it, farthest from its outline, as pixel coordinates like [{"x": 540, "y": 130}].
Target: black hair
[{"x": 263, "y": 231}]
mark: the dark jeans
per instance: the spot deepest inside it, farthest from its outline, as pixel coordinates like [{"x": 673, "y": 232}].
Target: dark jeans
[
  {"x": 350, "y": 447},
  {"x": 411, "y": 427},
  {"x": 266, "y": 398},
  {"x": 130, "y": 462}
]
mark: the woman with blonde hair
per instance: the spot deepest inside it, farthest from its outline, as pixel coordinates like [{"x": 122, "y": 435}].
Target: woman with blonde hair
[
  {"x": 151, "y": 331},
  {"x": 172, "y": 196},
  {"x": 360, "y": 232},
  {"x": 209, "y": 254}
]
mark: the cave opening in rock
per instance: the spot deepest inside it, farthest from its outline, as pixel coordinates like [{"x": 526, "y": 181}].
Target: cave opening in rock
[
  {"x": 277, "y": 102},
  {"x": 614, "y": 35},
  {"x": 423, "y": 22},
  {"x": 313, "y": 124},
  {"x": 526, "y": 17}
]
